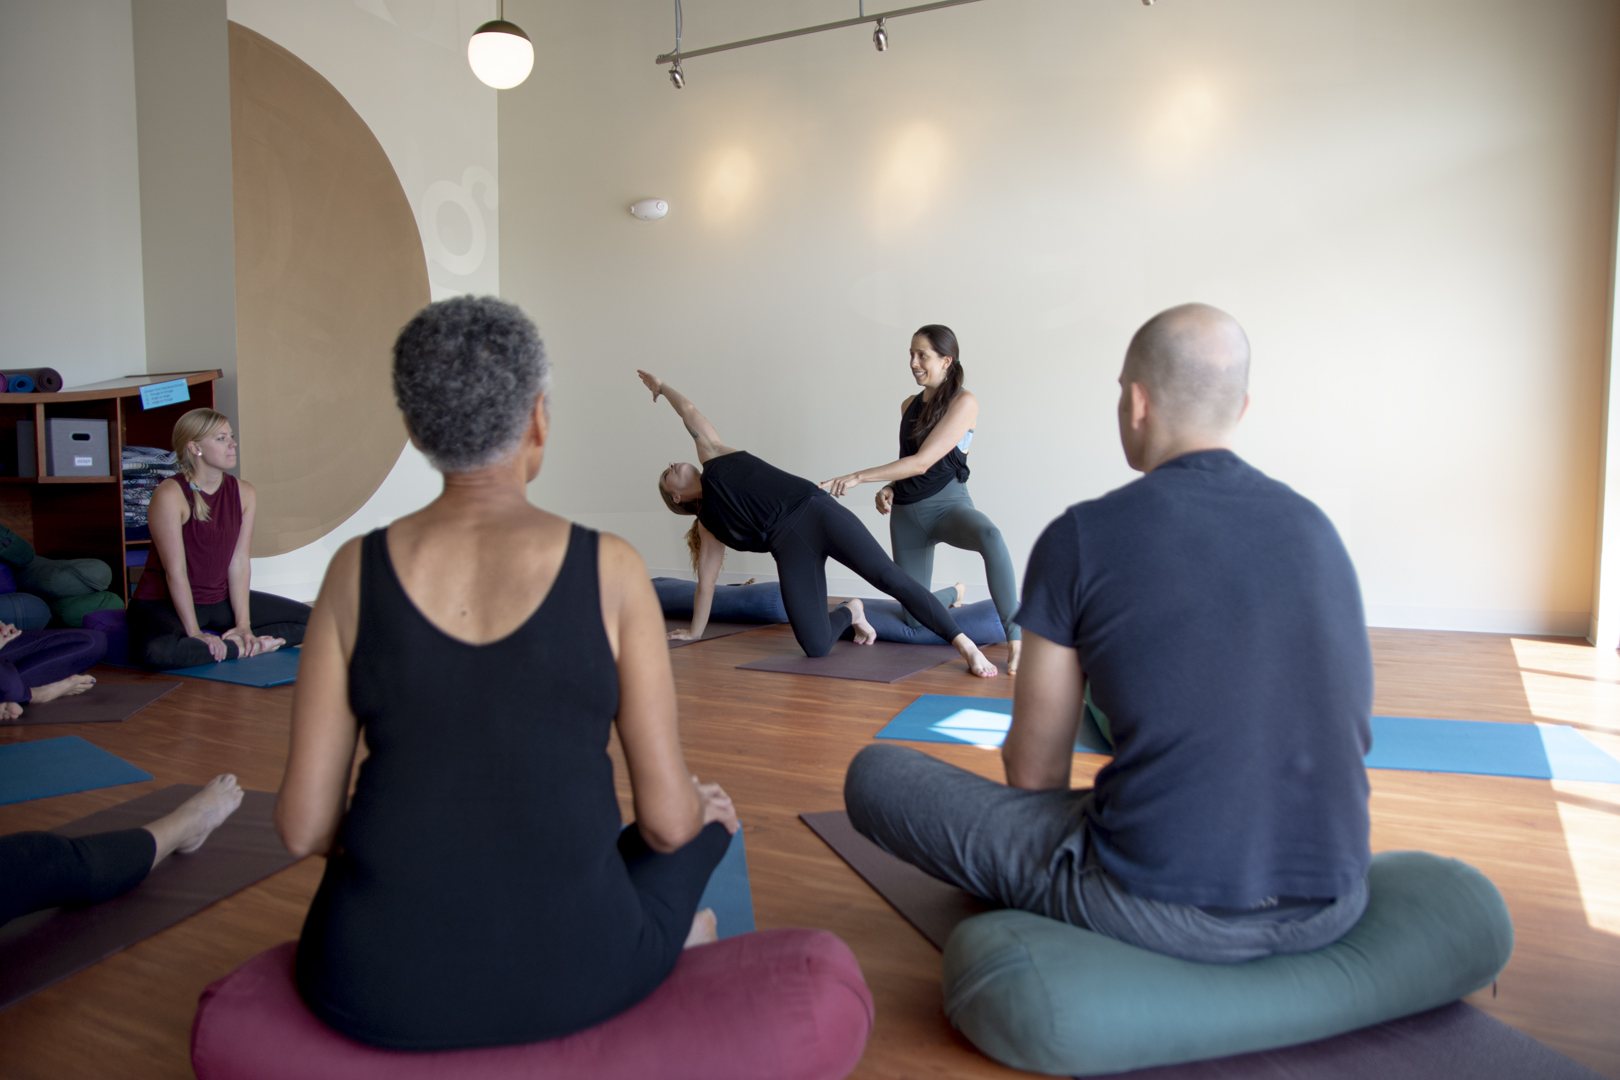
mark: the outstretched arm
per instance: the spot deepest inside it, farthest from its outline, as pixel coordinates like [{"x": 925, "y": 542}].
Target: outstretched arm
[
  {"x": 697, "y": 425},
  {"x": 958, "y": 420}
]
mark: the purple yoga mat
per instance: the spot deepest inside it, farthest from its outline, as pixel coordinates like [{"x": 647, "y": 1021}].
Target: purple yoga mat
[
  {"x": 884, "y": 662},
  {"x": 711, "y": 631},
  {"x": 40, "y": 949},
  {"x": 1453, "y": 1042},
  {"x": 105, "y": 702}
]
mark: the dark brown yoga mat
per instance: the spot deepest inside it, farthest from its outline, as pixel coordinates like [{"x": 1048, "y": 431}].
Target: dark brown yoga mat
[
  {"x": 884, "y": 661},
  {"x": 713, "y": 630},
  {"x": 45, "y": 947},
  {"x": 104, "y": 702},
  {"x": 1454, "y": 1042}
]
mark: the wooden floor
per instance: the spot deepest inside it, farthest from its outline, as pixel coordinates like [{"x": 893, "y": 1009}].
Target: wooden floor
[{"x": 779, "y": 744}]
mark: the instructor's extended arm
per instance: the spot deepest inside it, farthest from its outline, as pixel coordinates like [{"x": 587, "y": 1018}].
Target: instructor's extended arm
[
  {"x": 710, "y": 555},
  {"x": 697, "y": 425},
  {"x": 958, "y": 420}
]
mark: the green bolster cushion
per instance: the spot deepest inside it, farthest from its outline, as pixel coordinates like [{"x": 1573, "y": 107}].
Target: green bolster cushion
[
  {"x": 72, "y": 609},
  {"x": 57, "y": 578},
  {"x": 14, "y": 550},
  {"x": 1045, "y": 996}
]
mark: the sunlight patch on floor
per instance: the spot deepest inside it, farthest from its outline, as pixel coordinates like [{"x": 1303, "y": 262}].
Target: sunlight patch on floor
[
  {"x": 1570, "y": 683},
  {"x": 1590, "y": 814}
]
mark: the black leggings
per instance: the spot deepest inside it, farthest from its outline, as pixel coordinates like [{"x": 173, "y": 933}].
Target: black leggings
[
  {"x": 823, "y": 530},
  {"x": 158, "y": 638},
  {"x": 41, "y": 870}
]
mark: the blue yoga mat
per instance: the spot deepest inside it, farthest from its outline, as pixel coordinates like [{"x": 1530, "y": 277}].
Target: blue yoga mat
[
  {"x": 270, "y": 669},
  {"x": 45, "y": 767},
  {"x": 729, "y": 893},
  {"x": 1537, "y": 751}
]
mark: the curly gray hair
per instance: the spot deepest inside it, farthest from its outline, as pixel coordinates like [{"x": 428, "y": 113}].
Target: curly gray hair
[{"x": 467, "y": 372}]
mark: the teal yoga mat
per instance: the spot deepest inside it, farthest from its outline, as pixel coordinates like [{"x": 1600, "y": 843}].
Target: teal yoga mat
[
  {"x": 729, "y": 893},
  {"x": 271, "y": 669},
  {"x": 1537, "y": 751},
  {"x": 45, "y": 767}
]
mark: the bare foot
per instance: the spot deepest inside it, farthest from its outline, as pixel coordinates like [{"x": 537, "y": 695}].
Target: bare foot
[
  {"x": 864, "y": 634},
  {"x": 961, "y": 594},
  {"x": 9, "y": 711},
  {"x": 705, "y": 930},
  {"x": 189, "y": 824},
  {"x": 977, "y": 663},
  {"x": 270, "y": 644},
  {"x": 73, "y": 684},
  {"x": 1013, "y": 649}
]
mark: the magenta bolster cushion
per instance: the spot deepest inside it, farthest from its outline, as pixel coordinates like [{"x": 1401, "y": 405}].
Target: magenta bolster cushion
[{"x": 782, "y": 1004}]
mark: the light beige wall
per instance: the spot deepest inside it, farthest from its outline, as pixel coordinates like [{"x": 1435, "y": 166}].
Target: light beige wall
[
  {"x": 1408, "y": 206},
  {"x": 182, "y": 94},
  {"x": 70, "y": 215}
]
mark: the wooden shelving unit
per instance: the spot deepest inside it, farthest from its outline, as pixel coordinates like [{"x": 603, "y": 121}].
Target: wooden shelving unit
[{"x": 71, "y": 517}]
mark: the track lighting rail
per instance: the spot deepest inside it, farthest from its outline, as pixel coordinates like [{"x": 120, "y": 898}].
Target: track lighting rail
[{"x": 680, "y": 54}]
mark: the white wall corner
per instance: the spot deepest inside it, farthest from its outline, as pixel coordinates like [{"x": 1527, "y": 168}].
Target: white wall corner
[{"x": 1604, "y": 631}]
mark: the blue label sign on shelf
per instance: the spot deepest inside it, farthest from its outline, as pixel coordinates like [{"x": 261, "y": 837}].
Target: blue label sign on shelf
[{"x": 164, "y": 393}]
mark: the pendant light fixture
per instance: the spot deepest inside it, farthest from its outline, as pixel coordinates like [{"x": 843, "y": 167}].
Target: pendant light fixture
[{"x": 500, "y": 53}]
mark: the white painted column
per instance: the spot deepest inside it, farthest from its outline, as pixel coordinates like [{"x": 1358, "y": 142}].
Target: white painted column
[{"x": 1605, "y": 630}]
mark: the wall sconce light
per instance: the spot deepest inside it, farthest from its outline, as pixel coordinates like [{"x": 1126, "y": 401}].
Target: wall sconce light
[{"x": 500, "y": 53}]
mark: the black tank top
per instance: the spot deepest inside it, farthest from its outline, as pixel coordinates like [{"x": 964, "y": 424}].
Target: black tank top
[
  {"x": 478, "y": 898},
  {"x": 953, "y": 466},
  {"x": 747, "y": 502}
]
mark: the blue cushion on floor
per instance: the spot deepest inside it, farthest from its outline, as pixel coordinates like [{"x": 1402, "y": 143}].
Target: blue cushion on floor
[
  {"x": 760, "y": 602},
  {"x": 25, "y": 611},
  {"x": 1042, "y": 995},
  {"x": 978, "y": 621}
]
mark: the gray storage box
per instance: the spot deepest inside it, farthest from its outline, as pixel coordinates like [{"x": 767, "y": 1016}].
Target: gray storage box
[{"x": 76, "y": 447}]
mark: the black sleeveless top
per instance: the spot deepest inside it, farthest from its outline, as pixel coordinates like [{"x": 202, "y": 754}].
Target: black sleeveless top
[
  {"x": 953, "y": 466},
  {"x": 478, "y": 897},
  {"x": 747, "y": 503}
]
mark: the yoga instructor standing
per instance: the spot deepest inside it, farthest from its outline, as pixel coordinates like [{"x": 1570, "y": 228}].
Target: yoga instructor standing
[
  {"x": 745, "y": 503},
  {"x": 925, "y": 490}
]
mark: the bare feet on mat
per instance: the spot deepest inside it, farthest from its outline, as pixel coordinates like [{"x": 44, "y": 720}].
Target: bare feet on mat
[
  {"x": 961, "y": 594},
  {"x": 705, "y": 929},
  {"x": 9, "y": 711},
  {"x": 1013, "y": 649},
  {"x": 73, "y": 684},
  {"x": 189, "y": 824},
  {"x": 271, "y": 644},
  {"x": 864, "y": 634},
  {"x": 978, "y": 663}
]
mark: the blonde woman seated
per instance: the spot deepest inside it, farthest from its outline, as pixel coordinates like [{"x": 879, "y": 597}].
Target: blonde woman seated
[
  {"x": 193, "y": 603},
  {"x": 478, "y": 889}
]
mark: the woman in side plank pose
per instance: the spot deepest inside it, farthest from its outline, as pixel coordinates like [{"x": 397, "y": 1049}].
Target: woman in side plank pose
[
  {"x": 744, "y": 503},
  {"x": 925, "y": 490}
]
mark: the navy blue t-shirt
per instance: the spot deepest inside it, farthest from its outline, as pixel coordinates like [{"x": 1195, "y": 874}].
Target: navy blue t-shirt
[{"x": 1219, "y": 623}]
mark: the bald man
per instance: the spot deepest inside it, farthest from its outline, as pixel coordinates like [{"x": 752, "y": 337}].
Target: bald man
[{"x": 1212, "y": 618}]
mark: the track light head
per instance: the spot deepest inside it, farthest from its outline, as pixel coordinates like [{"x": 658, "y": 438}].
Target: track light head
[
  {"x": 880, "y": 38},
  {"x": 676, "y": 78}
]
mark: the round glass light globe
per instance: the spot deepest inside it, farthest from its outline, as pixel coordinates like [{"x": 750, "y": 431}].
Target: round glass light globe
[{"x": 500, "y": 54}]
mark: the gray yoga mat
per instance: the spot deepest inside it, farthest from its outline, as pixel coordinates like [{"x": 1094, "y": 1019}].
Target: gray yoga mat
[
  {"x": 45, "y": 947},
  {"x": 1453, "y": 1042},
  {"x": 103, "y": 703},
  {"x": 711, "y": 631},
  {"x": 883, "y": 662}
]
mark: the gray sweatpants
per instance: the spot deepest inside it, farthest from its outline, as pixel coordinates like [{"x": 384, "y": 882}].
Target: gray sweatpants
[
  {"x": 1028, "y": 850},
  {"x": 949, "y": 517}
]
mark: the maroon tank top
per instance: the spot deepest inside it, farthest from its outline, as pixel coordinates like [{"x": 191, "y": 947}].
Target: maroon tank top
[{"x": 209, "y": 545}]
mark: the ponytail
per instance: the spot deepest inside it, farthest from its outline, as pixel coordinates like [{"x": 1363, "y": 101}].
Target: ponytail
[{"x": 943, "y": 342}]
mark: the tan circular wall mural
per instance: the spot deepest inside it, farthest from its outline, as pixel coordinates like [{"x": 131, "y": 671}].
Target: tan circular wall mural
[{"x": 329, "y": 266}]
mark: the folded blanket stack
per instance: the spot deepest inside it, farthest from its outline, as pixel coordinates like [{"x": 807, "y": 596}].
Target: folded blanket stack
[{"x": 145, "y": 467}]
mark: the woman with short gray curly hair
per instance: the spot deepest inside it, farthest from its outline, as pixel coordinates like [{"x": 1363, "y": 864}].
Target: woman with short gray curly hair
[{"x": 486, "y": 648}]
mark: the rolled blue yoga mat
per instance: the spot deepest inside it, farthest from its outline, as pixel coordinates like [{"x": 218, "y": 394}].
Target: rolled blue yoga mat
[
  {"x": 19, "y": 384},
  {"x": 46, "y": 767},
  {"x": 1417, "y": 744}
]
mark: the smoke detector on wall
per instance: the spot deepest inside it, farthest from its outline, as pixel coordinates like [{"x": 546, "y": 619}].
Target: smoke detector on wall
[{"x": 649, "y": 209}]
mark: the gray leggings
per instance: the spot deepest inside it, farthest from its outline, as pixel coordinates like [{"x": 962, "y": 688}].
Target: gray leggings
[
  {"x": 948, "y": 517},
  {"x": 1028, "y": 850}
]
